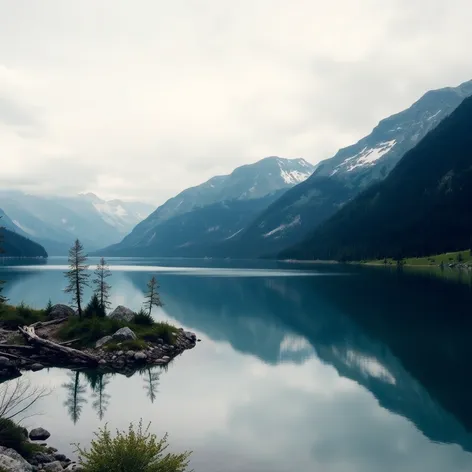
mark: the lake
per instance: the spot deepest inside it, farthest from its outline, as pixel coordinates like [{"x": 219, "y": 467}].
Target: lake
[{"x": 299, "y": 368}]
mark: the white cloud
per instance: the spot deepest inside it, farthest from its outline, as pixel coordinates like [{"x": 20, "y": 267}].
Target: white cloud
[{"x": 142, "y": 99}]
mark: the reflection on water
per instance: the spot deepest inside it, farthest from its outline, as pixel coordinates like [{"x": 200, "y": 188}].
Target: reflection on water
[{"x": 363, "y": 372}]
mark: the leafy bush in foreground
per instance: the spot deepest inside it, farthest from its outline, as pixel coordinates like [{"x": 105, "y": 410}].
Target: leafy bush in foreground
[{"x": 131, "y": 451}]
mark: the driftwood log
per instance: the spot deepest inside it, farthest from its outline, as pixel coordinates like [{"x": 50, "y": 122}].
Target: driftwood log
[{"x": 64, "y": 353}]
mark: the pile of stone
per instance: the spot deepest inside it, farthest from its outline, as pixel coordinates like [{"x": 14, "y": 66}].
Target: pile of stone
[
  {"x": 155, "y": 354},
  {"x": 49, "y": 460}
]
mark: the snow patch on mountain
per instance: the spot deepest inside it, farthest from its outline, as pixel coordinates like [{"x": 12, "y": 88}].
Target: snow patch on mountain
[
  {"x": 294, "y": 176},
  {"x": 296, "y": 221},
  {"x": 24, "y": 228},
  {"x": 367, "y": 157}
]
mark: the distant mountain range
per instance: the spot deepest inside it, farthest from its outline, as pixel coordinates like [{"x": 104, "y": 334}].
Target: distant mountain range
[
  {"x": 423, "y": 207},
  {"x": 54, "y": 222},
  {"x": 199, "y": 219},
  {"x": 337, "y": 180},
  {"x": 263, "y": 208}
]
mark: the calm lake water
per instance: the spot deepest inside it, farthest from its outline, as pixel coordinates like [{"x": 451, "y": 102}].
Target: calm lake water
[{"x": 317, "y": 368}]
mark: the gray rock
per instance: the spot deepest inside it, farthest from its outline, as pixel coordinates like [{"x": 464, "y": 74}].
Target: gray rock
[
  {"x": 119, "y": 353},
  {"x": 75, "y": 468},
  {"x": 102, "y": 361},
  {"x": 60, "y": 457},
  {"x": 42, "y": 458},
  {"x": 102, "y": 341},
  {"x": 53, "y": 467},
  {"x": 39, "y": 434},
  {"x": 190, "y": 336},
  {"x": 37, "y": 366},
  {"x": 165, "y": 358},
  {"x": 124, "y": 334},
  {"x": 122, "y": 313},
  {"x": 140, "y": 356},
  {"x": 11, "y": 461},
  {"x": 130, "y": 354},
  {"x": 61, "y": 311}
]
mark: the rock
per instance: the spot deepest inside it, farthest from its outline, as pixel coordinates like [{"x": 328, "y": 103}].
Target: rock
[
  {"x": 165, "y": 358},
  {"x": 37, "y": 366},
  {"x": 140, "y": 356},
  {"x": 102, "y": 341},
  {"x": 25, "y": 432},
  {"x": 119, "y": 353},
  {"x": 5, "y": 362},
  {"x": 130, "y": 354},
  {"x": 75, "y": 468},
  {"x": 60, "y": 457},
  {"x": 61, "y": 311},
  {"x": 11, "y": 461},
  {"x": 124, "y": 334},
  {"x": 42, "y": 458},
  {"x": 190, "y": 336},
  {"x": 102, "y": 361},
  {"x": 53, "y": 467},
  {"x": 160, "y": 341},
  {"x": 122, "y": 313},
  {"x": 39, "y": 434}
]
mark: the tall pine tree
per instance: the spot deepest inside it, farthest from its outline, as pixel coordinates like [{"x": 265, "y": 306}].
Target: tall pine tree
[
  {"x": 77, "y": 274},
  {"x": 102, "y": 287},
  {"x": 152, "y": 295}
]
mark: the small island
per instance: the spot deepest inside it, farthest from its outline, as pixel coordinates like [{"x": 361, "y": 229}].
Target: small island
[{"x": 122, "y": 341}]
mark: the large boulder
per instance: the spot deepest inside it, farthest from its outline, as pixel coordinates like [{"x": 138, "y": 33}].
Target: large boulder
[
  {"x": 61, "y": 311},
  {"x": 39, "y": 434},
  {"x": 121, "y": 313},
  {"x": 124, "y": 334},
  {"x": 74, "y": 467},
  {"x": 102, "y": 341},
  {"x": 5, "y": 362},
  {"x": 11, "y": 461}
]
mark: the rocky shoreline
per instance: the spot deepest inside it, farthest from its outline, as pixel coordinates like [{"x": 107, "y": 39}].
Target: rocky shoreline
[
  {"x": 41, "y": 352},
  {"x": 47, "y": 459}
]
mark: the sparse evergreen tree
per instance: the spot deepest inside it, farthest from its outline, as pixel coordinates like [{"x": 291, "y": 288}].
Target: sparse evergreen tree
[
  {"x": 102, "y": 287},
  {"x": 77, "y": 274},
  {"x": 98, "y": 383},
  {"x": 152, "y": 296},
  {"x": 75, "y": 396}
]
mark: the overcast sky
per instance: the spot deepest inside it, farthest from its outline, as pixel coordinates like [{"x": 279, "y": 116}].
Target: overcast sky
[{"x": 141, "y": 99}]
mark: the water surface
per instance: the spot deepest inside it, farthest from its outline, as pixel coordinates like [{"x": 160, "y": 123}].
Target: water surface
[{"x": 300, "y": 368}]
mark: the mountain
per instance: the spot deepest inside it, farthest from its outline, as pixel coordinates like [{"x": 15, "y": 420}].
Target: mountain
[
  {"x": 16, "y": 244},
  {"x": 338, "y": 179},
  {"x": 55, "y": 222},
  {"x": 199, "y": 218},
  {"x": 423, "y": 207}
]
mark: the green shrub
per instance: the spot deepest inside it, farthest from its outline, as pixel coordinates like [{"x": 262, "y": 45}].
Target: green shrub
[
  {"x": 94, "y": 308},
  {"x": 163, "y": 331},
  {"x": 13, "y": 437},
  {"x": 128, "y": 345},
  {"x": 131, "y": 451},
  {"x": 48, "y": 308},
  {"x": 14, "y": 316},
  {"x": 143, "y": 318}
]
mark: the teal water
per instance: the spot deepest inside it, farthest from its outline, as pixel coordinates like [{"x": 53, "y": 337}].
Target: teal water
[{"x": 314, "y": 368}]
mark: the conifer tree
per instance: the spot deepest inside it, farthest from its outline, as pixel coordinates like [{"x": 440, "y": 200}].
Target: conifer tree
[
  {"x": 102, "y": 287},
  {"x": 77, "y": 274},
  {"x": 152, "y": 296}
]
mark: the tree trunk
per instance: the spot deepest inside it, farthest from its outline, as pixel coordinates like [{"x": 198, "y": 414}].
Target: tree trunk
[{"x": 66, "y": 352}]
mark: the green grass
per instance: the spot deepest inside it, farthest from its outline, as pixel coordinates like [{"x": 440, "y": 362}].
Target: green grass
[
  {"x": 13, "y": 437},
  {"x": 436, "y": 260},
  {"x": 90, "y": 330},
  {"x": 13, "y": 316}
]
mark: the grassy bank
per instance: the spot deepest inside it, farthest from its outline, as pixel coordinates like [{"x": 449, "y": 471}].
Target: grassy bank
[
  {"x": 436, "y": 260},
  {"x": 13, "y": 316}
]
